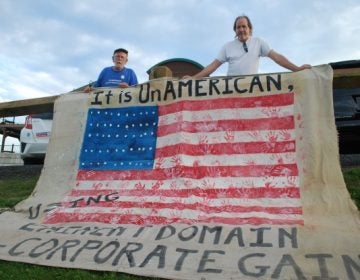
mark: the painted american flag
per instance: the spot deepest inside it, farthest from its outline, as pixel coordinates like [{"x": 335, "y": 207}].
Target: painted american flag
[{"x": 225, "y": 161}]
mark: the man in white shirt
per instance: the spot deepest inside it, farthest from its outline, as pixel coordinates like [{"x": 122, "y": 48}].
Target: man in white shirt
[{"x": 244, "y": 52}]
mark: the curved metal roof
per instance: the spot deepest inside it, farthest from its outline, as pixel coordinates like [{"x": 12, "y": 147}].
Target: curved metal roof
[
  {"x": 175, "y": 60},
  {"x": 345, "y": 64}
]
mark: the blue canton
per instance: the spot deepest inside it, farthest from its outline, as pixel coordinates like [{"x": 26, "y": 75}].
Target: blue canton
[{"x": 120, "y": 139}]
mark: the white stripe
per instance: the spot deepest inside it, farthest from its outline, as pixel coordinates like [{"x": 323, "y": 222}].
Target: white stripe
[
  {"x": 226, "y": 137},
  {"x": 246, "y": 202},
  {"x": 227, "y": 114},
  {"x": 226, "y": 160},
  {"x": 174, "y": 213},
  {"x": 182, "y": 183}
]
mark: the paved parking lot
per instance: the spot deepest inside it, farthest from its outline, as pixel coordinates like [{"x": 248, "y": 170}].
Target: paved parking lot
[{"x": 350, "y": 160}]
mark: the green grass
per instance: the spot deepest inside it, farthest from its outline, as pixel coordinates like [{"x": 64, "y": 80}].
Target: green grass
[
  {"x": 15, "y": 190},
  {"x": 20, "y": 271},
  {"x": 352, "y": 180}
]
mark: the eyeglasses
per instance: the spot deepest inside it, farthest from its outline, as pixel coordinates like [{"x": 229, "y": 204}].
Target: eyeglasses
[{"x": 245, "y": 47}]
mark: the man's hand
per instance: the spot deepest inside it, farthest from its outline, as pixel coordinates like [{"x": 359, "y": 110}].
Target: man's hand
[
  {"x": 187, "y": 77},
  {"x": 305, "y": 66},
  {"x": 123, "y": 85},
  {"x": 88, "y": 89}
]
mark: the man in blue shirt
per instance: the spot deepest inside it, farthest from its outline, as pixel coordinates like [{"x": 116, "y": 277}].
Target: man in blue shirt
[{"x": 117, "y": 75}]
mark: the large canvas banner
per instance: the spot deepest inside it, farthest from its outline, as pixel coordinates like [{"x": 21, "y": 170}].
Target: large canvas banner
[{"x": 215, "y": 178}]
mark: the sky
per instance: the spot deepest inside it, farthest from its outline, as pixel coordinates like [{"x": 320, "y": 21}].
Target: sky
[{"x": 50, "y": 47}]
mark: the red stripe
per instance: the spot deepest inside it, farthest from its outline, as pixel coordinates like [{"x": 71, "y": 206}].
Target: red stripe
[
  {"x": 227, "y": 125},
  {"x": 226, "y": 148},
  {"x": 282, "y": 99},
  {"x": 188, "y": 206},
  {"x": 112, "y": 218},
  {"x": 191, "y": 172},
  {"x": 251, "y": 193}
]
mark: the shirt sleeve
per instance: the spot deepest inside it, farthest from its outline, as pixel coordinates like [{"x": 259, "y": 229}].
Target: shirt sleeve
[
  {"x": 222, "y": 55},
  {"x": 264, "y": 48},
  {"x": 133, "y": 79},
  {"x": 99, "y": 80}
]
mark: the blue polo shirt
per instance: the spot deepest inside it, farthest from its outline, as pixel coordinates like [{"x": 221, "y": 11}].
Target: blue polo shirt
[{"x": 109, "y": 77}]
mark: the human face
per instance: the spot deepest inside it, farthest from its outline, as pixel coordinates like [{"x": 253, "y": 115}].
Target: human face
[
  {"x": 242, "y": 29},
  {"x": 120, "y": 59}
]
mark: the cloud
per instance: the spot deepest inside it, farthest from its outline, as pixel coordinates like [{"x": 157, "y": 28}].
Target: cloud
[{"x": 51, "y": 47}]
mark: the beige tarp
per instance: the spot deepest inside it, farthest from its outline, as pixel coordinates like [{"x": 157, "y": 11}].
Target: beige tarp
[{"x": 261, "y": 198}]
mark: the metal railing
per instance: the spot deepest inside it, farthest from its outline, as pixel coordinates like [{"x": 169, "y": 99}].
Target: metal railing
[
  {"x": 10, "y": 148},
  {"x": 6, "y": 120}
]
